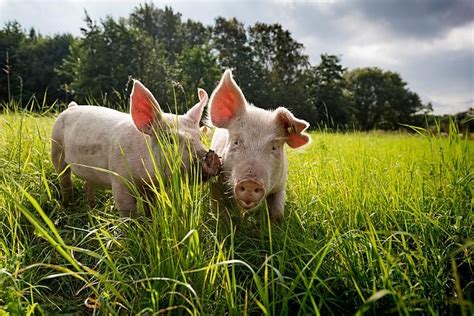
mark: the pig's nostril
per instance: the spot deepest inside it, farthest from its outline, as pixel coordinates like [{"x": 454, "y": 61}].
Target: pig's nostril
[
  {"x": 242, "y": 189},
  {"x": 257, "y": 190}
]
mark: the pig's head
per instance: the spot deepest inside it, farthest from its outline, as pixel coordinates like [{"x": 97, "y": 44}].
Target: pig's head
[
  {"x": 254, "y": 158},
  {"x": 183, "y": 129}
]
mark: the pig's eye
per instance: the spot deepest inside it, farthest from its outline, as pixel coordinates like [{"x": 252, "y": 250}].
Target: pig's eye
[
  {"x": 275, "y": 146},
  {"x": 235, "y": 143}
]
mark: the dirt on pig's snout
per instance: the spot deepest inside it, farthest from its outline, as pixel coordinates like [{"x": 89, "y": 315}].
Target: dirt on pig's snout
[{"x": 211, "y": 165}]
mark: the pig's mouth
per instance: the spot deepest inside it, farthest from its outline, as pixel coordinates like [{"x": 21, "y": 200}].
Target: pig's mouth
[{"x": 247, "y": 205}]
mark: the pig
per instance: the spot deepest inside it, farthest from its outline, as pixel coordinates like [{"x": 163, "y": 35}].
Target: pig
[
  {"x": 251, "y": 141},
  {"x": 108, "y": 148}
]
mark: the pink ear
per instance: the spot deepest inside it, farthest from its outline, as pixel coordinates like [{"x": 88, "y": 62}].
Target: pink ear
[
  {"x": 294, "y": 128},
  {"x": 195, "y": 113},
  {"x": 144, "y": 109},
  {"x": 227, "y": 101}
]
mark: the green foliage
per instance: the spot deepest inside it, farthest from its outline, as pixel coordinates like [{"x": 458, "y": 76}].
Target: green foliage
[
  {"x": 380, "y": 99},
  {"x": 277, "y": 51},
  {"x": 330, "y": 90},
  {"x": 376, "y": 223},
  {"x": 196, "y": 67},
  {"x": 170, "y": 57},
  {"x": 103, "y": 61},
  {"x": 269, "y": 64},
  {"x": 163, "y": 26},
  {"x": 11, "y": 38},
  {"x": 173, "y": 58},
  {"x": 28, "y": 63},
  {"x": 230, "y": 40},
  {"x": 282, "y": 65}
]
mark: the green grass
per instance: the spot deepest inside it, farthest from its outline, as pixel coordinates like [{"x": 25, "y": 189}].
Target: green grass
[{"x": 376, "y": 223}]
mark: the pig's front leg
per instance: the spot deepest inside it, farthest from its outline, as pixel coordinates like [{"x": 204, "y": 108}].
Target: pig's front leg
[
  {"x": 276, "y": 205},
  {"x": 124, "y": 200}
]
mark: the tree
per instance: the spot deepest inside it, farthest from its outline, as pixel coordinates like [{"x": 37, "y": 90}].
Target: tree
[
  {"x": 281, "y": 68},
  {"x": 105, "y": 58},
  {"x": 328, "y": 92},
  {"x": 229, "y": 38},
  {"x": 380, "y": 99},
  {"x": 162, "y": 25},
  {"x": 196, "y": 67},
  {"x": 12, "y": 38},
  {"x": 195, "y": 34},
  {"x": 45, "y": 54},
  {"x": 277, "y": 51},
  {"x": 268, "y": 64},
  {"x": 30, "y": 62}
]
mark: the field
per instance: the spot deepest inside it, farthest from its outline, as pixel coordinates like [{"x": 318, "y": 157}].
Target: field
[{"x": 375, "y": 224}]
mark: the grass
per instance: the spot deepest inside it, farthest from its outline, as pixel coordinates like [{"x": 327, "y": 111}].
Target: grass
[{"x": 376, "y": 223}]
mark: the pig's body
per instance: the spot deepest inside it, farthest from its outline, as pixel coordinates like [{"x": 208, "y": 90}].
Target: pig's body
[
  {"x": 251, "y": 141},
  {"x": 109, "y": 148},
  {"x": 109, "y": 133}
]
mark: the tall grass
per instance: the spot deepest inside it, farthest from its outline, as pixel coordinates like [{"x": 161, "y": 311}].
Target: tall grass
[{"x": 374, "y": 224}]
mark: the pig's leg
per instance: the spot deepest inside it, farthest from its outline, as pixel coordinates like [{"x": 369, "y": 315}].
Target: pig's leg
[
  {"x": 124, "y": 200},
  {"x": 90, "y": 193},
  {"x": 276, "y": 205},
  {"x": 65, "y": 181}
]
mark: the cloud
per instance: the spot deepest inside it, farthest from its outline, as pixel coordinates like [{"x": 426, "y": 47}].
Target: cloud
[
  {"x": 394, "y": 51},
  {"x": 414, "y": 19}
]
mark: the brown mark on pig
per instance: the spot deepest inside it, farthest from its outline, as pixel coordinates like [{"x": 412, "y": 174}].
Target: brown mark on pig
[{"x": 91, "y": 149}]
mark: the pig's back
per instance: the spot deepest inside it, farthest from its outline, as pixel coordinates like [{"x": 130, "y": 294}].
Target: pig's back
[{"x": 78, "y": 114}]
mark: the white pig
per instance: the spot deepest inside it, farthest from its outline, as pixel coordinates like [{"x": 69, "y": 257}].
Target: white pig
[
  {"x": 86, "y": 139},
  {"x": 251, "y": 141}
]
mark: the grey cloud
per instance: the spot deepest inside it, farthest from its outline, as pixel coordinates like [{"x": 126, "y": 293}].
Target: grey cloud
[{"x": 413, "y": 18}]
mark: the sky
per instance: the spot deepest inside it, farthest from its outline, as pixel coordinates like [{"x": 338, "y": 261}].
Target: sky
[{"x": 429, "y": 43}]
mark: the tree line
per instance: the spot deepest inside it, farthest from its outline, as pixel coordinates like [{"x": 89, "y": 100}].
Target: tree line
[{"x": 174, "y": 57}]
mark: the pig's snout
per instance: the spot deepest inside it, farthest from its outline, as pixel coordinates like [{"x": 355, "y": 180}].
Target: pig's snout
[{"x": 249, "y": 193}]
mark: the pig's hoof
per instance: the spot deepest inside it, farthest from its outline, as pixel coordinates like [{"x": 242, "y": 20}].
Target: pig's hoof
[{"x": 211, "y": 164}]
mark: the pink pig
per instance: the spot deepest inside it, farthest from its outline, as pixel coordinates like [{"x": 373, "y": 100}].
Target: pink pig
[
  {"x": 251, "y": 141},
  {"x": 108, "y": 148}
]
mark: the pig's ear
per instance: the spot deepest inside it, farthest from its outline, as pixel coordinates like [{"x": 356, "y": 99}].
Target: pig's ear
[
  {"x": 195, "y": 113},
  {"x": 227, "y": 101},
  {"x": 144, "y": 108},
  {"x": 294, "y": 128}
]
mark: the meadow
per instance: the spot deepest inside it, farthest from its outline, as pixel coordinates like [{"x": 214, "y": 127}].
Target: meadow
[{"x": 375, "y": 224}]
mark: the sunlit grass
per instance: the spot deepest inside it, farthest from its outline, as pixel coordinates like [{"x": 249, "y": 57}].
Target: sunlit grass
[{"x": 375, "y": 224}]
